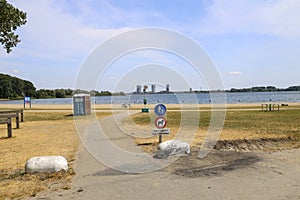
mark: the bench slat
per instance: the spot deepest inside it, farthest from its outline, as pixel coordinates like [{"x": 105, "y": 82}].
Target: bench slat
[
  {"x": 4, "y": 121},
  {"x": 14, "y": 111}
]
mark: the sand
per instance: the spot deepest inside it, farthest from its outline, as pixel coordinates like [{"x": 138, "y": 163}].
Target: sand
[{"x": 136, "y": 106}]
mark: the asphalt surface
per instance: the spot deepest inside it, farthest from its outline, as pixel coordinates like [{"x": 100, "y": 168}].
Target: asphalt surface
[{"x": 274, "y": 175}]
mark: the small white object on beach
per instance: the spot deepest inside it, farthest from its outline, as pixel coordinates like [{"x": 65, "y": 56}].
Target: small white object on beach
[
  {"x": 172, "y": 147},
  {"x": 49, "y": 164}
]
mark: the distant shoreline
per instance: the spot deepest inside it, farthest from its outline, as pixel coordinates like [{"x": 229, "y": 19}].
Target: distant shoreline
[{"x": 138, "y": 106}]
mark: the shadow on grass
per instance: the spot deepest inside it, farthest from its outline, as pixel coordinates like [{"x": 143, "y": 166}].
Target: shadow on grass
[{"x": 7, "y": 138}]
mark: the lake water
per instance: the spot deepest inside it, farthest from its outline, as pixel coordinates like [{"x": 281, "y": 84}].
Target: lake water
[{"x": 185, "y": 98}]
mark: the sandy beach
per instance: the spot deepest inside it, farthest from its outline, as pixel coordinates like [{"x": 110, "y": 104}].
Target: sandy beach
[{"x": 139, "y": 106}]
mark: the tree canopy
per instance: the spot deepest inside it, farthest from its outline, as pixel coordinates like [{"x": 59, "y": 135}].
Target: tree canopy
[
  {"x": 16, "y": 88},
  {"x": 10, "y": 19},
  {"x": 13, "y": 87}
]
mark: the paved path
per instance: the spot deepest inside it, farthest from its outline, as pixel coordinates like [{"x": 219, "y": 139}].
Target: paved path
[{"x": 275, "y": 176}]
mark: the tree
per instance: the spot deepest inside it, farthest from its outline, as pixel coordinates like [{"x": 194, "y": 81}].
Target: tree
[
  {"x": 60, "y": 93},
  {"x": 40, "y": 94},
  {"x": 17, "y": 87},
  {"x": 10, "y": 19},
  {"x": 28, "y": 88},
  {"x": 5, "y": 87},
  {"x": 69, "y": 92}
]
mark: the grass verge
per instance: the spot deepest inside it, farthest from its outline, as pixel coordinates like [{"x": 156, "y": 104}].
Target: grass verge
[
  {"x": 42, "y": 133},
  {"x": 239, "y": 125}
]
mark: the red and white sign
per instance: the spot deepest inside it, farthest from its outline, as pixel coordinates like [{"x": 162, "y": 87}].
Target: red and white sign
[{"x": 160, "y": 122}]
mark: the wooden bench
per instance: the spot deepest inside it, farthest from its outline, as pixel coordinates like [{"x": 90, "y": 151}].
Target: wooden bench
[
  {"x": 14, "y": 111},
  {"x": 269, "y": 107},
  {"x": 7, "y": 120},
  {"x": 12, "y": 115},
  {"x": 6, "y": 117}
]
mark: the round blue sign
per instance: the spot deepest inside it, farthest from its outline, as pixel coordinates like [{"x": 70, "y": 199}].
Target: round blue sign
[{"x": 160, "y": 109}]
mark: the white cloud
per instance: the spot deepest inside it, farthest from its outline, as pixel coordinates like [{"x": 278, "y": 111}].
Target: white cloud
[
  {"x": 52, "y": 33},
  {"x": 270, "y": 17},
  {"x": 15, "y": 71},
  {"x": 281, "y": 17},
  {"x": 153, "y": 56},
  {"x": 234, "y": 73},
  {"x": 61, "y": 33}
]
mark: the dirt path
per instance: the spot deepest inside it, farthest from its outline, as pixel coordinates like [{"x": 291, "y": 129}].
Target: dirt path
[{"x": 221, "y": 175}]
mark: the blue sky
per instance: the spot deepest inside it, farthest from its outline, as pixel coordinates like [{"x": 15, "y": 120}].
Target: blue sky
[{"x": 251, "y": 42}]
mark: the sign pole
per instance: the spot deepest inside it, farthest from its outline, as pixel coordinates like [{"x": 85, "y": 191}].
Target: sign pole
[
  {"x": 160, "y": 138},
  {"x": 160, "y": 122}
]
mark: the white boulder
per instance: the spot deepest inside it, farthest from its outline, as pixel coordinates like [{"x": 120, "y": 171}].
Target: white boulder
[
  {"x": 172, "y": 147},
  {"x": 46, "y": 164}
]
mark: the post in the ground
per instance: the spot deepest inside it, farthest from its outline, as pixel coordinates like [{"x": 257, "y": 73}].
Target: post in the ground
[{"x": 159, "y": 138}]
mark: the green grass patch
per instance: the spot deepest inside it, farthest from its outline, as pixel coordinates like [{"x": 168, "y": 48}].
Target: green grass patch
[
  {"x": 258, "y": 122},
  {"x": 282, "y": 122}
]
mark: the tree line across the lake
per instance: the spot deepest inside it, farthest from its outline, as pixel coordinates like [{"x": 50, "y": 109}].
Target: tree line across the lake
[
  {"x": 16, "y": 88},
  {"x": 265, "y": 89}
]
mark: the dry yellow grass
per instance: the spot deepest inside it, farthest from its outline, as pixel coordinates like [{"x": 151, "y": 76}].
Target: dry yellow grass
[{"x": 37, "y": 137}]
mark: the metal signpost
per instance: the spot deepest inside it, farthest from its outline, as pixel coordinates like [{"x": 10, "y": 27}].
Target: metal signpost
[
  {"x": 27, "y": 100},
  {"x": 160, "y": 122}
]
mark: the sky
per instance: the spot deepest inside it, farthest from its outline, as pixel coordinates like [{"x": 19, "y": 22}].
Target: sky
[{"x": 251, "y": 42}]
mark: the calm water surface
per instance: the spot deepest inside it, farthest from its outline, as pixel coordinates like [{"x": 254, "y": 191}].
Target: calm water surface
[{"x": 185, "y": 98}]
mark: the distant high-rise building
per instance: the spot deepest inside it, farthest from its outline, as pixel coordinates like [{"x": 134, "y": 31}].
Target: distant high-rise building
[
  {"x": 138, "y": 89},
  {"x": 167, "y": 88},
  {"x": 191, "y": 89},
  {"x": 153, "y": 88},
  {"x": 145, "y": 88}
]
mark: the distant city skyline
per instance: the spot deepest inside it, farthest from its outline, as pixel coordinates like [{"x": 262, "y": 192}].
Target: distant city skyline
[{"x": 150, "y": 86}]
